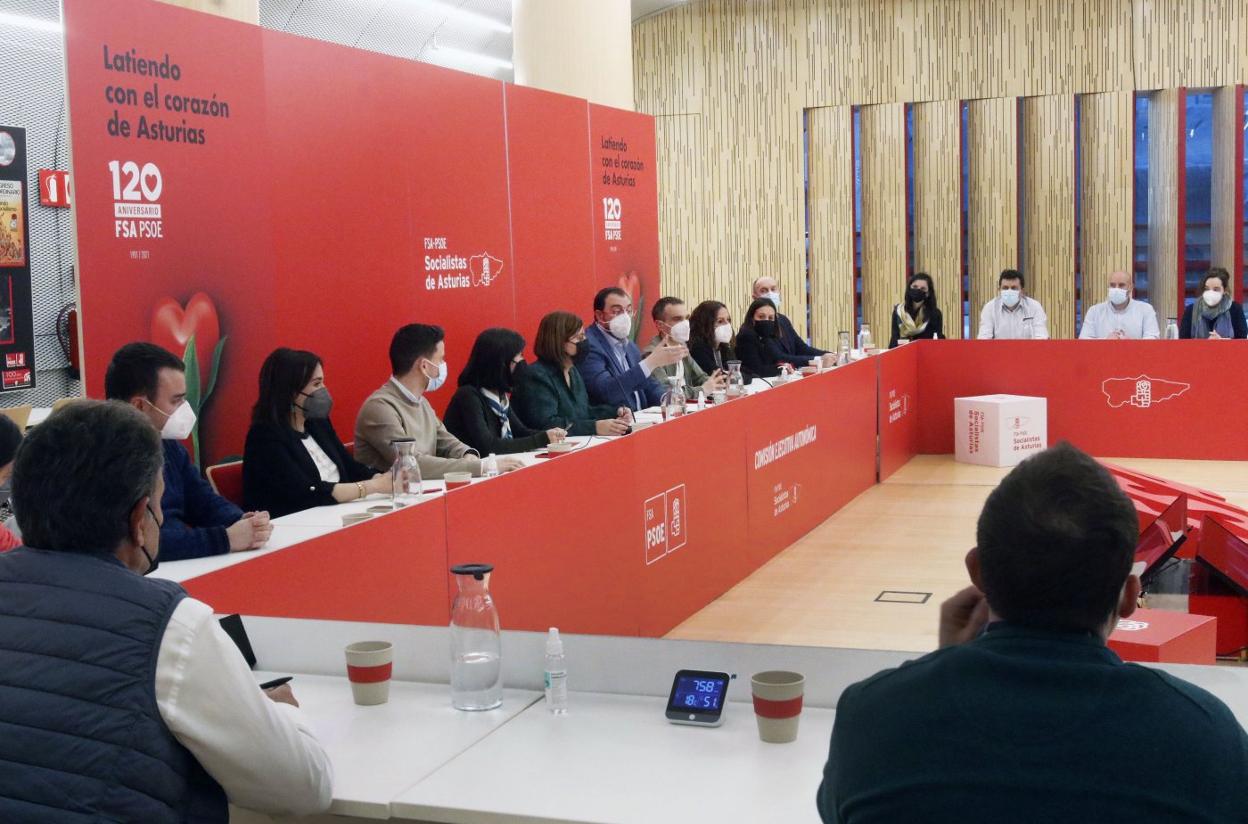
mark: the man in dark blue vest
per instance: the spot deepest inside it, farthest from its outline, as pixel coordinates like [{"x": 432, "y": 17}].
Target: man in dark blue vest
[
  {"x": 121, "y": 699},
  {"x": 1024, "y": 714}
]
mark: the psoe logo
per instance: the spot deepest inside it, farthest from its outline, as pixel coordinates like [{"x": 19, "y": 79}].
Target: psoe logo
[
  {"x": 1019, "y": 423},
  {"x": 485, "y": 269},
  {"x": 612, "y": 218},
  {"x": 665, "y": 520},
  {"x": 1141, "y": 392},
  {"x": 1125, "y": 625}
]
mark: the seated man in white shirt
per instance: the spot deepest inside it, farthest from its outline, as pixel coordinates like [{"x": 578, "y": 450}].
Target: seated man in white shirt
[
  {"x": 122, "y": 698},
  {"x": 1121, "y": 316},
  {"x": 1012, "y": 315}
]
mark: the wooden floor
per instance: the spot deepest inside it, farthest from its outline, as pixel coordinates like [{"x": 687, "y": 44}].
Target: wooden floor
[{"x": 907, "y": 535}]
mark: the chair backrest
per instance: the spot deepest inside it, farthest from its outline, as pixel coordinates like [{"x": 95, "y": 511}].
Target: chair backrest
[
  {"x": 227, "y": 481},
  {"x": 19, "y": 415}
]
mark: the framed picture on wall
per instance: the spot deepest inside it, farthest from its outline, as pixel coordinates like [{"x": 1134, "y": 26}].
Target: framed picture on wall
[{"x": 12, "y": 224}]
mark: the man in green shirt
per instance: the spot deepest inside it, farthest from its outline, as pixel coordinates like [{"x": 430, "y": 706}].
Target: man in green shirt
[
  {"x": 671, "y": 317},
  {"x": 1024, "y": 714}
]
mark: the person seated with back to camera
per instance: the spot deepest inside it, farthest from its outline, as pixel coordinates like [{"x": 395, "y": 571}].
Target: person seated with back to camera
[
  {"x": 1013, "y": 315},
  {"x": 480, "y": 413},
  {"x": 122, "y": 699},
  {"x": 198, "y": 522},
  {"x": 551, "y": 393},
  {"x": 399, "y": 409},
  {"x": 757, "y": 345},
  {"x": 1024, "y": 714},
  {"x": 1214, "y": 316},
  {"x": 293, "y": 459},
  {"x": 917, "y": 317},
  {"x": 671, "y": 318},
  {"x": 613, "y": 369},
  {"x": 793, "y": 349}
]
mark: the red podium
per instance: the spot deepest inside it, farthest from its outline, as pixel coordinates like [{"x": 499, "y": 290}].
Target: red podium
[{"x": 1161, "y": 636}]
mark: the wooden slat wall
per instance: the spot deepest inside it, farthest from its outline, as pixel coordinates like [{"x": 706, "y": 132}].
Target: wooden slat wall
[
  {"x": 937, "y": 197},
  {"x": 992, "y": 222},
  {"x": 1165, "y": 248},
  {"x": 685, "y": 255},
  {"x": 882, "y": 143},
  {"x": 750, "y": 67},
  {"x": 831, "y": 235},
  {"x": 1108, "y": 186},
  {"x": 1049, "y": 207},
  {"x": 1226, "y": 194}
]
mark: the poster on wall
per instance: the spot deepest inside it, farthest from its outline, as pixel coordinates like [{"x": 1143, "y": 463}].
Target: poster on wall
[{"x": 17, "y": 341}]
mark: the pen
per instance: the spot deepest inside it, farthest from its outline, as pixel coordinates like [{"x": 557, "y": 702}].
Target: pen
[{"x": 276, "y": 682}]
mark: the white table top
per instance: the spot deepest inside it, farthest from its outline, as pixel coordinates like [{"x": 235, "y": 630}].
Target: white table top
[
  {"x": 615, "y": 759},
  {"x": 378, "y": 752}
]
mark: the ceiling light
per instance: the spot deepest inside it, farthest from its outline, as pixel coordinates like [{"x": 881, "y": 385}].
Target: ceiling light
[{"x": 37, "y": 23}]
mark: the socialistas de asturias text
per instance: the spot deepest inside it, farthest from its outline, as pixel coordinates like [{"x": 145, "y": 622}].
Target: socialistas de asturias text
[{"x": 156, "y": 98}]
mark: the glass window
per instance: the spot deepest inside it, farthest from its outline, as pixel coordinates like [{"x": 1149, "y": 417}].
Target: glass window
[
  {"x": 1140, "y": 209},
  {"x": 1198, "y": 200}
]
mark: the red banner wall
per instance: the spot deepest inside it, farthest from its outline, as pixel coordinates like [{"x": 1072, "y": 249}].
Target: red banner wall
[
  {"x": 320, "y": 197},
  {"x": 1143, "y": 399}
]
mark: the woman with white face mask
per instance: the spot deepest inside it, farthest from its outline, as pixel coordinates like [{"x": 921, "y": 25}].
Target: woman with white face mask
[
  {"x": 1214, "y": 315},
  {"x": 712, "y": 338}
]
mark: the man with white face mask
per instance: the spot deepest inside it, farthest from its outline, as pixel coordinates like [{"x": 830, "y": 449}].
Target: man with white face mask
[
  {"x": 399, "y": 410},
  {"x": 614, "y": 370},
  {"x": 1121, "y": 316},
  {"x": 671, "y": 318},
  {"x": 1012, "y": 315},
  {"x": 198, "y": 522}
]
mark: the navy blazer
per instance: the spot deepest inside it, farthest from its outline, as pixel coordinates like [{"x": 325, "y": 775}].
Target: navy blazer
[
  {"x": 793, "y": 349},
  {"x": 608, "y": 383}
]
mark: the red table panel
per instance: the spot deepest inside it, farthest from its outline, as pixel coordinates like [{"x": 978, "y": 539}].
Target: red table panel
[{"x": 1162, "y": 636}]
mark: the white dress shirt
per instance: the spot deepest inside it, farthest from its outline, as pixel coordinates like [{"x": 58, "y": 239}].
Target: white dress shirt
[
  {"x": 997, "y": 322},
  {"x": 259, "y": 751},
  {"x": 1137, "y": 319}
]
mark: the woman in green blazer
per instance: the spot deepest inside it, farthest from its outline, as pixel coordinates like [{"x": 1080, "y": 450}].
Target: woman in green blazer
[{"x": 550, "y": 392}]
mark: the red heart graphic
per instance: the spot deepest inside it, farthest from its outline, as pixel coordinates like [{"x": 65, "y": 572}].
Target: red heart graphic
[{"x": 172, "y": 327}]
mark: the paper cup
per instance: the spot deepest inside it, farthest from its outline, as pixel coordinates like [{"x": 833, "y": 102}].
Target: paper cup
[
  {"x": 778, "y": 704},
  {"x": 454, "y": 480},
  {"x": 559, "y": 448},
  {"x": 369, "y": 666}
]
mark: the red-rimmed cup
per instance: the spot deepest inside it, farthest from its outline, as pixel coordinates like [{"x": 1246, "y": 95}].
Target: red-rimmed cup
[
  {"x": 369, "y": 666},
  {"x": 778, "y": 704},
  {"x": 456, "y": 480}
]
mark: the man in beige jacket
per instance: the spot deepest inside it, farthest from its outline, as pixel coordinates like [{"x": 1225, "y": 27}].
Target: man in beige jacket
[{"x": 399, "y": 410}]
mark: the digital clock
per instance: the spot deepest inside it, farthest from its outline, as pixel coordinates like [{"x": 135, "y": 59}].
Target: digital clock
[{"x": 698, "y": 698}]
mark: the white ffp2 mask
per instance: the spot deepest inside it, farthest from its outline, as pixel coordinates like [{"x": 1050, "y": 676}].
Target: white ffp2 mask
[
  {"x": 680, "y": 332},
  {"x": 621, "y": 325},
  {"x": 179, "y": 424},
  {"x": 723, "y": 333}
]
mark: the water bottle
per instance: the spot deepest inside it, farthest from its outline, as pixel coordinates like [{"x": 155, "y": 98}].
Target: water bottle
[
  {"x": 405, "y": 477},
  {"x": 701, "y": 399},
  {"x": 476, "y": 645},
  {"x": 489, "y": 466},
  {"x": 673, "y": 400},
  {"x": 865, "y": 343},
  {"x": 556, "y": 674},
  {"x": 1172, "y": 328},
  {"x": 842, "y": 349}
]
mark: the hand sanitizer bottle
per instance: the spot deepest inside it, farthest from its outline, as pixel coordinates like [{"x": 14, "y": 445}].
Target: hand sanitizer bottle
[{"x": 556, "y": 675}]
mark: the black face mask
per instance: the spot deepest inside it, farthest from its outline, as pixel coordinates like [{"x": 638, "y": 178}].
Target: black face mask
[
  {"x": 915, "y": 295},
  {"x": 582, "y": 351},
  {"x": 515, "y": 375},
  {"x": 152, "y": 563},
  {"x": 765, "y": 328}
]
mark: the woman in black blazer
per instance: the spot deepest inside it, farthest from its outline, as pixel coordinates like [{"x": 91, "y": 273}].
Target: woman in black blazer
[
  {"x": 758, "y": 342},
  {"x": 293, "y": 459},
  {"x": 550, "y": 392},
  {"x": 711, "y": 340},
  {"x": 480, "y": 413},
  {"x": 1214, "y": 314},
  {"x": 917, "y": 317}
]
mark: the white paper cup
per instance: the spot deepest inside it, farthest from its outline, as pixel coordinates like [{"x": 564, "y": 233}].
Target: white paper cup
[
  {"x": 778, "y": 704},
  {"x": 369, "y": 667}
]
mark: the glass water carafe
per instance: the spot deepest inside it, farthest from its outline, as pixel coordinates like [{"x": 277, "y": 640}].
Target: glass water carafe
[
  {"x": 736, "y": 381},
  {"x": 842, "y": 348},
  {"x": 1172, "y": 329},
  {"x": 673, "y": 401},
  {"x": 404, "y": 472},
  {"x": 476, "y": 644}
]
